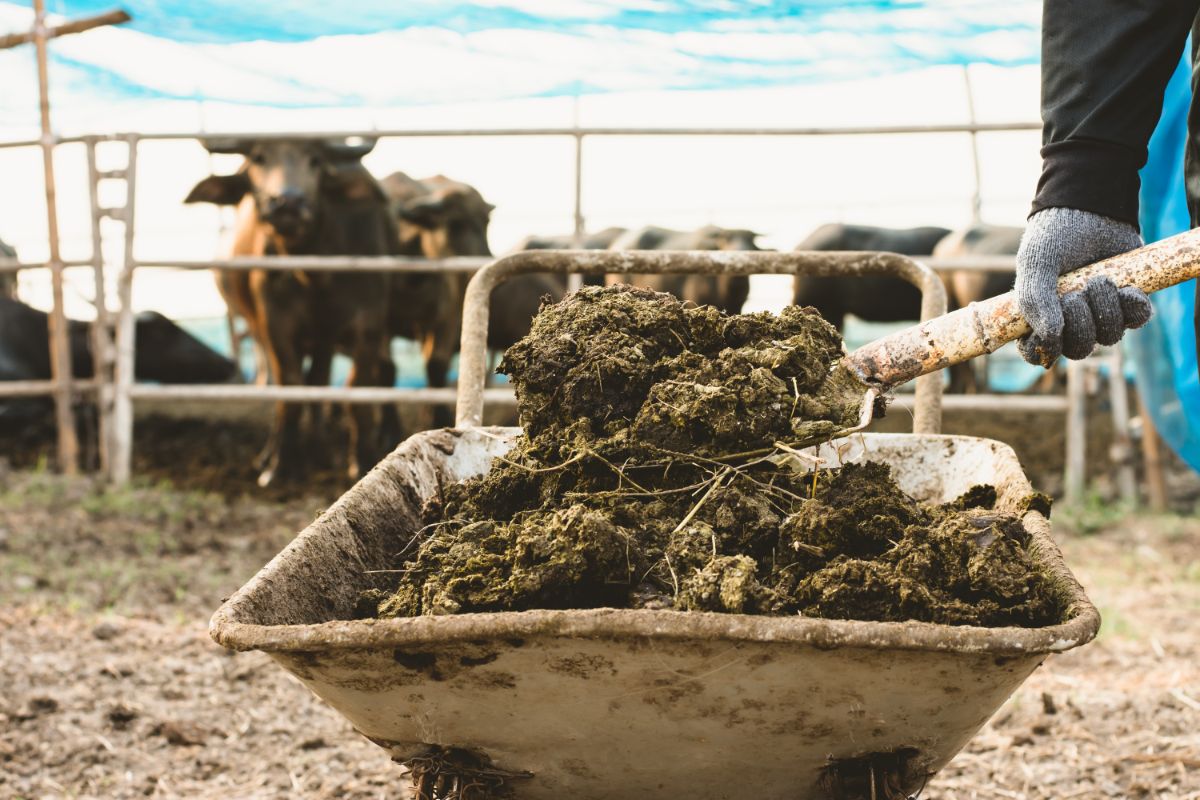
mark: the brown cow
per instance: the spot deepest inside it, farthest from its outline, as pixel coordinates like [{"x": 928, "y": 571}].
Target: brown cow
[
  {"x": 307, "y": 197},
  {"x": 726, "y": 292}
]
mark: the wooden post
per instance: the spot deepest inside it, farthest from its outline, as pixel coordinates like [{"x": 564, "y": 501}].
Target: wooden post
[
  {"x": 75, "y": 26},
  {"x": 1156, "y": 483},
  {"x": 1121, "y": 453},
  {"x": 121, "y": 449},
  {"x": 977, "y": 197},
  {"x": 102, "y": 350},
  {"x": 60, "y": 346},
  {"x": 575, "y": 280},
  {"x": 1075, "y": 474}
]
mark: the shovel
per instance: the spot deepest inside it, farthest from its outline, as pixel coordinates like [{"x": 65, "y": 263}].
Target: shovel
[{"x": 984, "y": 327}]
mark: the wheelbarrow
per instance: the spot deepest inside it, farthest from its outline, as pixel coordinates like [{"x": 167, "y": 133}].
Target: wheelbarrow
[{"x": 611, "y": 703}]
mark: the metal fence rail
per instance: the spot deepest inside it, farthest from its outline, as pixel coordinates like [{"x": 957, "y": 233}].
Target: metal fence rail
[
  {"x": 113, "y": 383},
  {"x": 575, "y": 131}
]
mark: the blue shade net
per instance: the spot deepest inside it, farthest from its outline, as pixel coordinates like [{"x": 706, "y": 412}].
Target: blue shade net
[{"x": 1164, "y": 352}]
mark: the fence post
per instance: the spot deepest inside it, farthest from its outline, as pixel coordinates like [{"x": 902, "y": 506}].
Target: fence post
[
  {"x": 1075, "y": 474},
  {"x": 1156, "y": 481},
  {"x": 977, "y": 197},
  {"x": 60, "y": 346},
  {"x": 575, "y": 280},
  {"x": 102, "y": 355},
  {"x": 122, "y": 418},
  {"x": 1122, "y": 444}
]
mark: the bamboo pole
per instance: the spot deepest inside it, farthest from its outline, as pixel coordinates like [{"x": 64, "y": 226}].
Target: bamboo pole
[
  {"x": 60, "y": 349},
  {"x": 75, "y": 26}
]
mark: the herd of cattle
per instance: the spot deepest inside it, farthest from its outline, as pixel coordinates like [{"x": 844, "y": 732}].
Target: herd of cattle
[{"x": 312, "y": 197}]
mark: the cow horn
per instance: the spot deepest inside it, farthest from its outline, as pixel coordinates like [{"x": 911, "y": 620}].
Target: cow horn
[
  {"x": 226, "y": 144},
  {"x": 349, "y": 149}
]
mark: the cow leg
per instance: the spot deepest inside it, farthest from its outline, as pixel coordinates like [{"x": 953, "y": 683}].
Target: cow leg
[
  {"x": 390, "y": 430},
  {"x": 368, "y": 371},
  {"x": 283, "y": 324},
  {"x": 262, "y": 365},
  {"x": 447, "y": 332},
  {"x": 961, "y": 378},
  {"x": 284, "y": 462},
  {"x": 982, "y": 381},
  {"x": 320, "y": 368},
  {"x": 437, "y": 370}
]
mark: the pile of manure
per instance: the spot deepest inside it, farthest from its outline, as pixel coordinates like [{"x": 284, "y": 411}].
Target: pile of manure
[{"x": 661, "y": 467}]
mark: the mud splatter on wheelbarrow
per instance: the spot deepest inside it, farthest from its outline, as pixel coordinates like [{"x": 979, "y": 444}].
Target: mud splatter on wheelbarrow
[{"x": 663, "y": 467}]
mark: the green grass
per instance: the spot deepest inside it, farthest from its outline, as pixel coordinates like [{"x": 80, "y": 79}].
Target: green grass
[{"x": 1091, "y": 516}]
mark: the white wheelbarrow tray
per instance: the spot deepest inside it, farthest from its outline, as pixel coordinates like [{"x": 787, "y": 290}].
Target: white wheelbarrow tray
[{"x": 611, "y": 703}]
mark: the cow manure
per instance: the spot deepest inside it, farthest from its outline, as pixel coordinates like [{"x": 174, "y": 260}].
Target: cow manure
[{"x": 661, "y": 467}]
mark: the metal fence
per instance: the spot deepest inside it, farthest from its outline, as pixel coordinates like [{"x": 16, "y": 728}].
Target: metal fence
[{"x": 113, "y": 340}]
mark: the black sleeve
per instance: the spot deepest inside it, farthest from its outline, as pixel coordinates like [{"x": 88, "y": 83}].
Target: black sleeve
[{"x": 1105, "y": 65}]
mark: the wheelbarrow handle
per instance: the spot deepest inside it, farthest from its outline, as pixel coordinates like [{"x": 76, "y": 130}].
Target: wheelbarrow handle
[{"x": 984, "y": 327}]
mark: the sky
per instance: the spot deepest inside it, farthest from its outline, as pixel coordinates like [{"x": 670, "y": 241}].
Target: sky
[
  {"x": 381, "y": 53},
  {"x": 297, "y": 65}
]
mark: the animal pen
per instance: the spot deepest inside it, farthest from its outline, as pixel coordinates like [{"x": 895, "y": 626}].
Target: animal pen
[{"x": 115, "y": 392}]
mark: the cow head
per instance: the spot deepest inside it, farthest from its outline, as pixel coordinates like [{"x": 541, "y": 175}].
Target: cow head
[
  {"x": 451, "y": 220},
  {"x": 284, "y": 177},
  {"x": 729, "y": 238}
]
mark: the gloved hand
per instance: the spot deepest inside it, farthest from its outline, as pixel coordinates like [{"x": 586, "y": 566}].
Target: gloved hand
[{"x": 1056, "y": 241}]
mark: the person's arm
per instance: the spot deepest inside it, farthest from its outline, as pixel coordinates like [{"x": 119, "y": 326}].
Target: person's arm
[{"x": 1105, "y": 65}]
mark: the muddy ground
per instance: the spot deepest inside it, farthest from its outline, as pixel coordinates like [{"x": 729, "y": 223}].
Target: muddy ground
[
  {"x": 212, "y": 447},
  {"x": 110, "y": 687}
]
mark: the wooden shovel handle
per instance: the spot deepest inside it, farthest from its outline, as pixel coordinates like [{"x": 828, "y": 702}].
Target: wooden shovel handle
[{"x": 984, "y": 327}]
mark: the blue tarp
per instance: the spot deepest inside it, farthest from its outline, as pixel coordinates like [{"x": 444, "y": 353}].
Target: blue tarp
[{"x": 1164, "y": 352}]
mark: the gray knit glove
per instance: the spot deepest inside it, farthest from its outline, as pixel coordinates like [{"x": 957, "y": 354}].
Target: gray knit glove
[{"x": 1056, "y": 241}]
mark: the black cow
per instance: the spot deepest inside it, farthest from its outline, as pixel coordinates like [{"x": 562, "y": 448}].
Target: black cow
[
  {"x": 557, "y": 282},
  {"x": 876, "y": 298},
  {"x": 968, "y": 286},
  {"x": 308, "y": 197},
  {"x": 726, "y": 292},
  {"x": 442, "y": 218},
  {"x": 601, "y": 240},
  {"x": 8, "y": 280},
  {"x": 164, "y": 352}
]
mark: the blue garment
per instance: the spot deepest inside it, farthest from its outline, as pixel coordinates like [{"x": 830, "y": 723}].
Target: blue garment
[{"x": 1164, "y": 352}]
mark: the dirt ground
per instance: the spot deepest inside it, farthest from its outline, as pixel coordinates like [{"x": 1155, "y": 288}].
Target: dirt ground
[
  {"x": 222, "y": 440},
  {"x": 111, "y": 688}
]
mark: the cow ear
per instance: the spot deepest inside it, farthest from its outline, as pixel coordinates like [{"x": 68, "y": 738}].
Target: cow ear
[
  {"x": 223, "y": 190},
  {"x": 227, "y": 145},
  {"x": 348, "y": 150},
  {"x": 352, "y": 182},
  {"x": 425, "y": 212}
]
